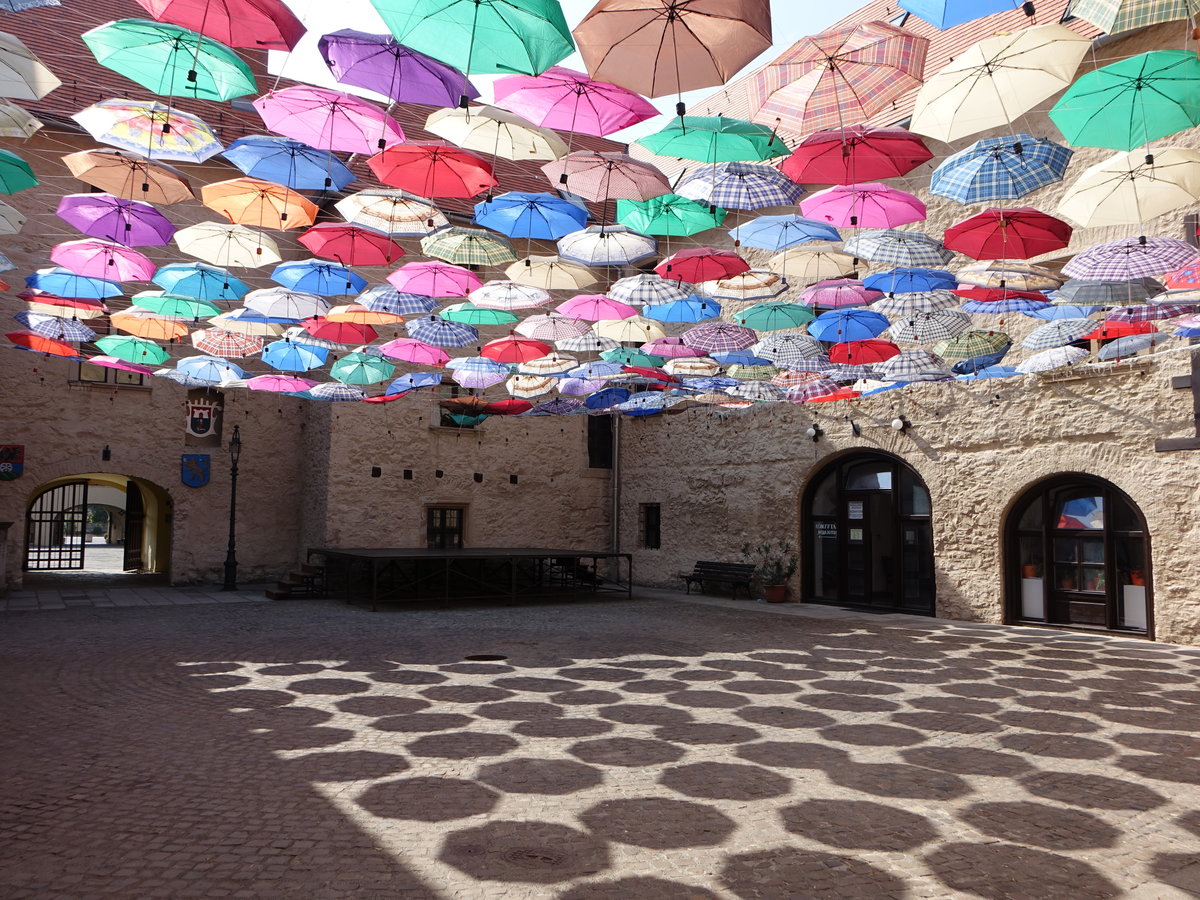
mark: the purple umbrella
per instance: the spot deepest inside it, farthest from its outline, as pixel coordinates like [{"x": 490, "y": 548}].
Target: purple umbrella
[
  {"x": 719, "y": 337},
  {"x": 378, "y": 62},
  {"x": 128, "y": 222}
]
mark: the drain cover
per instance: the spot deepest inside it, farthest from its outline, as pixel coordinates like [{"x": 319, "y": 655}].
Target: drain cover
[{"x": 485, "y": 657}]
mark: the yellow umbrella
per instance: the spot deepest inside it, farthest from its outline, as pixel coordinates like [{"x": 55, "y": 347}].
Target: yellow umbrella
[
  {"x": 528, "y": 386},
  {"x": 361, "y": 315},
  {"x": 252, "y": 201},
  {"x": 487, "y": 129},
  {"x": 227, "y": 245},
  {"x": 146, "y": 324},
  {"x": 550, "y": 274}
]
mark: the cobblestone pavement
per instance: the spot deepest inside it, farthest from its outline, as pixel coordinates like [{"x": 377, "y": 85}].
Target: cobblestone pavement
[{"x": 623, "y": 749}]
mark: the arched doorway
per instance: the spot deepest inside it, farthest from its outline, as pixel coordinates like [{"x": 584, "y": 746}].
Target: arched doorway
[
  {"x": 98, "y": 523},
  {"x": 868, "y": 535},
  {"x": 1078, "y": 554}
]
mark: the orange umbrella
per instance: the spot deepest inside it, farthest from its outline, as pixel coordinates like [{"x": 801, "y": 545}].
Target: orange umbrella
[
  {"x": 129, "y": 176},
  {"x": 149, "y": 325},
  {"x": 361, "y": 315},
  {"x": 32, "y": 341},
  {"x": 250, "y": 201}
]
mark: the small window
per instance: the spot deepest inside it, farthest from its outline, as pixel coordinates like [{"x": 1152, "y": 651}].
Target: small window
[
  {"x": 600, "y": 442},
  {"x": 444, "y": 527},
  {"x": 651, "y": 522},
  {"x": 1191, "y": 224},
  {"x": 453, "y": 418},
  {"x": 90, "y": 374}
]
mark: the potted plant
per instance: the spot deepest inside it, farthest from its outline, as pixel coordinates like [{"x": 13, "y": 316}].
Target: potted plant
[{"x": 774, "y": 563}]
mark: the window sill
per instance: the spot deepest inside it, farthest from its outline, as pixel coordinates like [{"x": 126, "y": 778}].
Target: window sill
[{"x": 76, "y": 385}]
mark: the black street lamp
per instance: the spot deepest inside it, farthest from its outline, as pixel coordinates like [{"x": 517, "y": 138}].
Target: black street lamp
[{"x": 235, "y": 450}]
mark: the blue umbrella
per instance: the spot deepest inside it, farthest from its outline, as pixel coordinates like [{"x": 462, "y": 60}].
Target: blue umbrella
[
  {"x": 943, "y": 14},
  {"x": 691, "y": 309},
  {"x": 596, "y": 369},
  {"x": 780, "y": 232},
  {"x": 1063, "y": 311},
  {"x": 439, "y": 332},
  {"x": 289, "y": 356},
  {"x": 1187, "y": 332},
  {"x": 200, "y": 281},
  {"x": 65, "y": 283},
  {"x": 211, "y": 369},
  {"x": 1131, "y": 344},
  {"x": 1001, "y": 307},
  {"x": 741, "y": 358},
  {"x": 412, "y": 381},
  {"x": 1000, "y": 168},
  {"x": 384, "y": 298},
  {"x": 316, "y": 276},
  {"x": 840, "y": 326},
  {"x": 976, "y": 363},
  {"x": 289, "y": 162},
  {"x": 21, "y": 5},
  {"x": 908, "y": 280},
  {"x": 607, "y": 398},
  {"x": 990, "y": 372},
  {"x": 54, "y": 327},
  {"x": 522, "y": 214}
]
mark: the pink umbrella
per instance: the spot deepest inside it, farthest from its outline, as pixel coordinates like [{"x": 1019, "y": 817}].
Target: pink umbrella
[
  {"x": 414, "y": 351},
  {"x": 670, "y": 348},
  {"x": 839, "y": 292},
  {"x": 863, "y": 206},
  {"x": 257, "y": 24},
  {"x": 114, "y": 362},
  {"x": 98, "y": 258},
  {"x": 594, "y": 307},
  {"x": 605, "y": 175},
  {"x": 570, "y": 101},
  {"x": 434, "y": 279},
  {"x": 279, "y": 384},
  {"x": 329, "y": 120}
]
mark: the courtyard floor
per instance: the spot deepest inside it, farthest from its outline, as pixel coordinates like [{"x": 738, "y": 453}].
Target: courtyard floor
[{"x": 652, "y": 748}]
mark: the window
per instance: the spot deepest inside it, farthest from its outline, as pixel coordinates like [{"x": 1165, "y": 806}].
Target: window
[
  {"x": 90, "y": 374},
  {"x": 1191, "y": 224},
  {"x": 457, "y": 418},
  {"x": 600, "y": 442},
  {"x": 444, "y": 527},
  {"x": 650, "y": 518}
]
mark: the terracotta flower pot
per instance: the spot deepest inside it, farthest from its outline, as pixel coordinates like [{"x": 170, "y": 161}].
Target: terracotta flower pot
[
  {"x": 775, "y": 593},
  {"x": 1029, "y": 571}
]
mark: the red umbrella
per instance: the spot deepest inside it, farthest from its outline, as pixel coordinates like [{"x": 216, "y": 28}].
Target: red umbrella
[
  {"x": 702, "y": 264},
  {"x": 432, "y": 169},
  {"x": 32, "y": 341},
  {"x": 351, "y": 245},
  {"x": 259, "y": 24},
  {"x": 1019, "y": 233},
  {"x": 339, "y": 332},
  {"x": 652, "y": 372},
  {"x": 511, "y": 407},
  {"x": 995, "y": 295},
  {"x": 1108, "y": 330},
  {"x": 515, "y": 349},
  {"x": 840, "y": 394},
  {"x": 854, "y": 154},
  {"x": 863, "y": 353}
]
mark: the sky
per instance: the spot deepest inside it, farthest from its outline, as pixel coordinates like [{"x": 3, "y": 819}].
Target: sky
[{"x": 792, "y": 19}]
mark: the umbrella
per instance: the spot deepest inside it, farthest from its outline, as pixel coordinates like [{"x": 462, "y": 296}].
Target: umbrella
[
  {"x": 905, "y": 279},
  {"x": 287, "y": 356},
  {"x": 385, "y": 298},
  {"x": 649, "y": 290},
  {"x": 1130, "y": 345},
  {"x": 838, "y": 77},
  {"x": 1004, "y": 168},
  {"x": 1130, "y": 258},
  {"x": 701, "y": 264},
  {"x": 899, "y": 248},
  {"x": 477, "y": 371},
  {"x": 1017, "y": 233},
  {"x": 714, "y": 139},
  {"x": 511, "y": 36},
  {"x": 915, "y": 302},
  {"x": 1134, "y": 101},
  {"x": 588, "y": 342},
  {"x": 971, "y": 345},
  {"x": 718, "y": 337},
  {"x": 496, "y": 131},
  {"x": 837, "y": 293},
  {"x": 508, "y": 295},
  {"x": 780, "y": 232},
  {"x": 133, "y": 349},
  {"x": 1132, "y": 188},
  {"x": 943, "y": 14},
  {"x": 470, "y": 314},
  {"x": 606, "y": 245},
  {"x": 866, "y": 351},
  {"x": 748, "y": 286},
  {"x": 669, "y": 214},
  {"x": 129, "y": 176},
  {"x": 391, "y": 212},
  {"x": 690, "y": 309},
  {"x": 515, "y": 350},
  {"x": 813, "y": 389},
  {"x": 288, "y": 162},
  {"x": 914, "y": 365},
  {"x": 65, "y": 283},
  {"x": 317, "y": 276},
  {"x": 414, "y": 351},
  {"x": 538, "y": 216},
  {"x": 594, "y": 307},
  {"x": 526, "y": 386},
  {"x": 1007, "y": 274},
  {"x": 380, "y": 63},
  {"x": 22, "y": 75},
  {"x": 128, "y": 222},
  {"x": 22, "y": 5},
  {"x": 1048, "y": 360},
  {"x": 351, "y": 245},
  {"x": 256, "y": 24},
  {"x": 279, "y": 384},
  {"x": 855, "y": 153},
  {"x": 1057, "y": 333},
  {"x": 788, "y": 348},
  {"x": 330, "y": 120},
  {"x": 64, "y": 306},
  {"x": 925, "y": 328},
  {"x": 212, "y": 369},
  {"x": 248, "y": 322},
  {"x": 740, "y": 185},
  {"x": 38, "y": 343},
  {"x": 661, "y": 47},
  {"x": 571, "y": 101},
  {"x": 864, "y": 206},
  {"x": 631, "y": 330},
  {"x": 439, "y": 332},
  {"x": 1000, "y": 307},
  {"x": 434, "y": 279},
  {"x": 57, "y": 328},
  {"x": 841, "y": 325},
  {"x": 1063, "y": 311},
  {"x": 225, "y": 343},
  {"x": 200, "y": 280},
  {"x": 103, "y": 259},
  {"x": 1115, "y": 16},
  {"x": 468, "y": 246},
  {"x": 412, "y": 381},
  {"x": 774, "y": 316},
  {"x": 170, "y": 60},
  {"x": 282, "y": 303},
  {"x": 335, "y": 393},
  {"x": 153, "y": 130},
  {"x": 250, "y": 201},
  {"x": 550, "y": 365},
  {"x": 227, "y": 245},
  {"x": 670, "y": 348},
  {"x": 15, "y": 173},
  {"x": 11, "y": 221},
  {"x": 550, "y": 273},
  {"x": 433, "y": 169},
  {"x": 1109, "y": 329},
  {"x": 1108, "y": 293},
  {"x": 606, "y": 175},
  {"x": 361, "y": 368},
  {"x": 993, "y": 82},
  {"x": 806, "y": 265},
  {"x": 173, "y": 306}
]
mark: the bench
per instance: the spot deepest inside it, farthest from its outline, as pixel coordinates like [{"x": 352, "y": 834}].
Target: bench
[{"x": 737, "y": 575}]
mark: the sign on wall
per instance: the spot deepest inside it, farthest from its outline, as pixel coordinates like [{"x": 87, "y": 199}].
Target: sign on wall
[
  {"x": 204, "y": 412},
  {"x": 195, "y": 469},
  {"x": 12, "y": 461}
]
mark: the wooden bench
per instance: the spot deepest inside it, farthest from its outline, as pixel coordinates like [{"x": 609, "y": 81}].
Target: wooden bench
[{"x": 736, "y": 575}]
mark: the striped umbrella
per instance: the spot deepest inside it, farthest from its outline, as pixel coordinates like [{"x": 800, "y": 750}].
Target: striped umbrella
[
  {"x": 1057, "y": 333},
  {"x": 740, "y": 185},
  {"x": 891, "y": 246},
  {"x": 914, "y": 365},
  {"x": 469, "y": 246},
  {"x": 439, "y": 332},
  {"x": 925, "y": 328}
]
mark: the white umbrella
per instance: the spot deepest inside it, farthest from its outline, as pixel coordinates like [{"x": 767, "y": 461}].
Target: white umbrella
[
  {"x": 508, "y": 295},
  {"x": 550, "y": 273},
  {"x": 1132, "y": 188},
  {"x": 281, "y": 303},
  {"x": 635, "y": 329},
  {"x": 391, "y": 211},
  {"x": 228, "y": 245},
  {"x": 11, "y": 221},
  {"x": 16, "y": 122},
  {"x": 1057, "y": 358},
  {"x": 810, "y": 265},
  {"x": 487, "y": 129},
  {"x": 22, "y": 75}
]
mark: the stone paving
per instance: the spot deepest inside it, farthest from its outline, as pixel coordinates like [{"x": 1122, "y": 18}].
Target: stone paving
[{"x": 622, "y": 749}]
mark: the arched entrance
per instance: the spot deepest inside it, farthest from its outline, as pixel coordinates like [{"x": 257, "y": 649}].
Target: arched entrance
[
  {"x": 98, "y": 523},
  {"x": 868, "y": 535},
  {"x": 1078, "y": 555}
]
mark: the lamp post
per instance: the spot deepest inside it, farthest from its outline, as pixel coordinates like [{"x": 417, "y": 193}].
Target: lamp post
[{"x": 235, "y": 450}]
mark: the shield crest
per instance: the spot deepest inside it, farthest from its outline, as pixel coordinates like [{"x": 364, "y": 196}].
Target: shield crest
[
  {"x": 195, "y": 469},
  {"x": 201, "y": 419},
  {"x": 12, "y": 461}
]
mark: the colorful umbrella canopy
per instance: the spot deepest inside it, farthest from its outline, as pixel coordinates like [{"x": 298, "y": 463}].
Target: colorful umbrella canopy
[
  {"x": 864, "y": 206},
  {"x": 571, "y": 101},
  {"x": 1018, "y": 233},
  {"x": 289, "y": 163},
  {"x": 838, "y": 77},
  {"x": 606, "y": 175},
  {"x": 498, "y": 132},
  {"x": 200, "y": 280},
  {"x": 128, "y": 222},
  {"x": 115, "y": 362},
  {"x": 838, "y": 293},
  {"x": 998, "y": 79},
  {"x": 317, "y": 276},
  {"x": 256, "y": 24},
  {"x": 57, "y": 328},
  {"x": 133, "y": 349},
  {"x": 1004, "y": 168},
  {"x": 148, "y": 324},
  {"x": 740, "y": 185},
  {"x": 774, "y": 316},
  {"x": 550, "y": 273},
  {"x": 22, "y": 75},
  {"x": 701, "y": 264},
  {"x": 606, "y": 245},
  {"x": 841, "y": 325},
  {"x": 661, "y": 47},
  {"x": 669, "y": 214},
  {"x": 227, "y": 245},
  {"x": 904, "y": 279},
  {"x": 431, "y": 169},
  {"x": 1134, "y": 101},
  {"x": 264, "y": 204},
  {"x": 153, "y": 130},
  {"x": 1132, "y": 188},
  {"x": 279, "y": 384},
  {"x": 1115, "y": 16},
  {"x": 854, "y": 154},
  {"x": 434, "y": 279},
  {"x": 103, "y": 259},
  {"x": 15, "y": 173},
  {"x": 477, "y": 371},
  {"x": 690, "y": 309},
  {"x": 1130, "y": 258},
  {"x": 508, "y": 295},
  {"x": 714, "y": 139},
  {"x": 248, "y": 322},
  {"x": 468, "y": 246},
  {"x": 351, "y": 245},
  {"x": 330, "y": 120},
  {"x": 538, "y": 216},
  {"x": 899, "y": 248},
  {"x": 862, "y": 352},
  {"x": 780, "y": 232},
  {"x": 380, "y": 63},
  {"x": 129, "y": 176},
  {"x": 943, "y": 14}
]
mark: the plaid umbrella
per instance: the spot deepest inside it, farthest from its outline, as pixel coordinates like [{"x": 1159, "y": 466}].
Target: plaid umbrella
[
  {"x": 392, "y": 212},
  {"x": 972, "y": 345},
  {"x": 226, "y": 344},
  {"x": 607, "y": 245},
  {"x": 1053, "y": 311},
  {"x": 925, "y": 328},
  {"x": 718, "y": 337},
  {"x": 845, "y": 372},
  {"x": 333, "y": 392},
  {"x": 1108, "y": 293},
  {"x": 1048, "y": 360},
  {"x": 1000, "y": 307},
  {"x": 1130, "y": 258},
  {"x": 439, "y": 332},
  {"x": 788, "y": 349},
  {"x": 55, "y": 327},
  {"x": 1000, "y": 168},
  {"x": 553, "y": 327},
  {"x": 812, "y": 390},
  {"x": 914, "y": 303},
  {"x": 1007, "y": 274},
  {"x": 559, "y": 406},
  {"x": 649, "y": 290},
  {"x": 744, "y": 372},
  {"x": 670, "y": 348},
  {"x": 508, "y": 295},
  {"x": 1150, "y": 313},
  {"x": 891, "y": 246},
  {"x": 1115, "y": 16},
  {"x": 477, "y": 371},
  {"x": 759, "y": 391},
  {"x": 838, "y": 293},
  {"x": 740, "y": 185},
  {"x": 588, "y": 342},
  {"x": 469, "y": 246},
  {"x": 384, "y": 298},
  {"x": 914, "y": 365},
  {"x": 1058, "y": 333}
]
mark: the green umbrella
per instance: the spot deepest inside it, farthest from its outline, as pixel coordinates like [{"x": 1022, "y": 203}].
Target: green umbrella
[
  {"x": 1132, "y": 102},
  {"x": 464, "y": 420},
  {"x": 972, "y": 344},
  {"x": 1115, "y": 16},
  {"x": 627, "y": 356},
  {"x": 170, "y": 60},
  {"x": 15, "y": 174},
  {"x": 470, "y": 314},
  {"x": 478, "y": 36},
  {"x": 468, "y": 247},
  {"x": 133, "y": 349},
  {"x": 774, "y": 315},
  {"x": 362, "y": 368},
  {"x": 714, "y": 139},
  {"x": 669, "y": 214},
  {"x": 175, "y": 305}
]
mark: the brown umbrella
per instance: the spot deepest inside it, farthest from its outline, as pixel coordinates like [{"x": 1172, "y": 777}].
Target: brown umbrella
[
  {"x": 129, "y": 176},
  {"x": 661, "y": 47}
]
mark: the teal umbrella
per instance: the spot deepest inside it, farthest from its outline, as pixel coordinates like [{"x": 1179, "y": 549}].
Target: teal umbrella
[
  {"x": 170, "y": 60},
  {"x": 175, "y": 305},
  {"x": 15, "y": 174},
  {"x": 470, "y": 314},
  {"x": 1132, "y": 102},
  {"x": 714, "y": 139},
  {"x": 669, "y": 215},
  {"x": 627, "y": 356},
  {"x": 478, "y": 36},
  {"x": 133, "y": 349},
  {"x": 774, "y": 315},
  {"x": 362, "y": 368}
]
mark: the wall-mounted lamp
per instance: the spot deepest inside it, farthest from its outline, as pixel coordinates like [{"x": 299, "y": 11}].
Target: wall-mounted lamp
[
  {"x": 106, "y": 454},
  {"x": 901, "y": 424},
  {"x": 815, "y": 431}
]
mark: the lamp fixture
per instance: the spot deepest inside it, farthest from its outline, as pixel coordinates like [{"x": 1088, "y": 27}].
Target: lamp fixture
[
  {"x": 106, "y": 454},
  {"x": 815, "y": 431},
  {"x": 901, "y": 424}
]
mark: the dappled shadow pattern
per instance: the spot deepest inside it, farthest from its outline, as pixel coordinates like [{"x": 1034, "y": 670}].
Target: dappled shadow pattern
[
  {"x": 382, "y": 706},
  {"x": 644, "y": 714},
  {"x": 422, "y": 722},
  {"x": 1161, "y": 768},
  {"x": 562, "y": 728},
  {"x": 696, "y": 733},
  {"x": 1056, "y": 746},
  {"x": 658, "y": 823},
  {"x": 1003, "y": 871},
  {"x": 794, "y": 754},
  {"x": 725, "y": 781},
  {"x": 629, "y": 888},
  {"x": 534, "y": 852},
  {"x": 858, "y": 825},
  {"x": 428, "y": 799},
  {"x": 345, "y": 765},
  {"x": 462, "y": 745},
  {"x": 623, "y": 751},
  {"x": 332, "y": 686},
  {"x": 1091, "y": 791},
  {"x": 873, "y": 735},
  {"x": 896, "y": 780},
  {"x": 540, "y": 776},
  {"x": 1041, "y": 825},
  {"x": 967, "y": 761},
  {"x": 787, "y": 871},
  {"x": 784, "y": 717}
]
